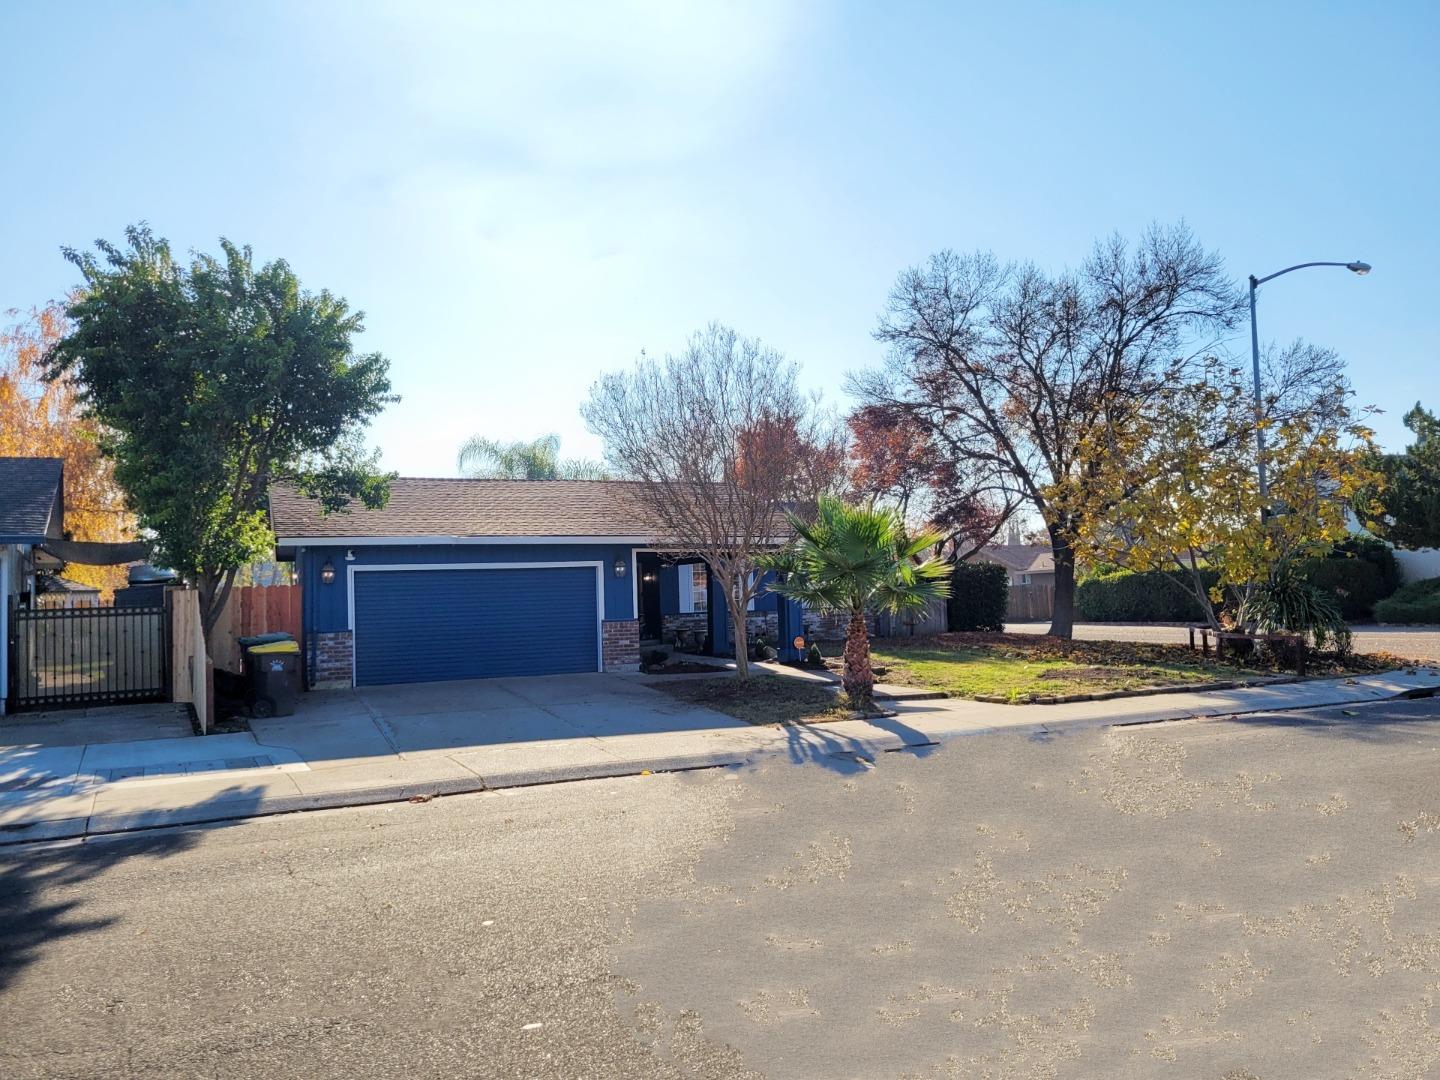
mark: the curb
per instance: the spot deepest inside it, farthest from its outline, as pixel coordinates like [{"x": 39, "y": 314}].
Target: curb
[{"x": 81, "y": 828}]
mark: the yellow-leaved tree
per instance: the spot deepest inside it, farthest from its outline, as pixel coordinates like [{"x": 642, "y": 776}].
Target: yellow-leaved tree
[
  {"x": 1182, "y": 491},
  {"x": 42, "y": 418}
]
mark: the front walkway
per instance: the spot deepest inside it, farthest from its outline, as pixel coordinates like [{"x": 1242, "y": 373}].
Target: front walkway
[{"x": 392, "y": 743}]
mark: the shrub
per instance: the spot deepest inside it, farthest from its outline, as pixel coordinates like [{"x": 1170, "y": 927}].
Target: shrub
[
  {"x": 654, "y": 657},
  {"x": 1354, "y": 583},
  {"x": 1287, "y": 602},
  {"x": 1418, "y": 602},
  {"x": 979, "y": 595},
  {"x": 1375, "y": 551},
  {"x": 1125, "y": 596}
]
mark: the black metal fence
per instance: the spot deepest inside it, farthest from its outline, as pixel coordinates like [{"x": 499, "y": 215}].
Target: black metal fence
[{"x": 88, "y": 656}]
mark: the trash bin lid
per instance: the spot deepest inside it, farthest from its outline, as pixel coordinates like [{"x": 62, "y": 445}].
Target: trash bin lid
[
  {"x": 264, "y": 639},
  {"x": 287, "y": 646}
]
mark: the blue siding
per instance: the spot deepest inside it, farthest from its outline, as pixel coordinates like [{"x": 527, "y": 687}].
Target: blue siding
[{"x": 429, "y": 625}]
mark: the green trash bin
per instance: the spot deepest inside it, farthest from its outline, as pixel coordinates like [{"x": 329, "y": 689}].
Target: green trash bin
[{"x": 272, "y": 673}]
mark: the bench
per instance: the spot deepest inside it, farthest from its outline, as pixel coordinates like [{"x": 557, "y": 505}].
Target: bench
[{"x": 1291, "y": 646}]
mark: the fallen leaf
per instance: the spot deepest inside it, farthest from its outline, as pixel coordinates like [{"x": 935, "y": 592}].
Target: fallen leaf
[{"x": 421, "y": 798}]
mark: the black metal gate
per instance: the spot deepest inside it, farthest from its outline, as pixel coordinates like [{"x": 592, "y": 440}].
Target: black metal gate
[{"x": 63, "y": 657}]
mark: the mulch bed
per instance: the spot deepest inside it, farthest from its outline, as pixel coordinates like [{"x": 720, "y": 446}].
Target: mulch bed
[{"x": 685, "y": 667}]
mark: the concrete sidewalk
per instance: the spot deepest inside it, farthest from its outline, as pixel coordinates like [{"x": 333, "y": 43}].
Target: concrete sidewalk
[{"x": 337, "y": 754}]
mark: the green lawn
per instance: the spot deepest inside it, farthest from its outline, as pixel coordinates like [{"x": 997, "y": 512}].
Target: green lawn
[
  {"x": 763, "y": 699},
  {"x": 1029, "y": 672}
]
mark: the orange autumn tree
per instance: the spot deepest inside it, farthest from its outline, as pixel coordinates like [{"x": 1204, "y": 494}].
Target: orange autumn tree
[{"x": 41, "y": 418}]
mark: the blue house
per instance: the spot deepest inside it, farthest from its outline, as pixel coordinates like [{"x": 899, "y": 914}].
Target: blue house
[{"x": 469, "y": 579}]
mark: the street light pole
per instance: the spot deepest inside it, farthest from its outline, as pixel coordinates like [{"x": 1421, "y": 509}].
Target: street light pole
[{"x": 1360, "y": 268}]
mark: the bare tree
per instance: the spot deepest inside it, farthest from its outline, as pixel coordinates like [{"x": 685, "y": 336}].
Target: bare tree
[
  {"x": 1024, "y": 376},
  {"x": 720, "y": 441}
]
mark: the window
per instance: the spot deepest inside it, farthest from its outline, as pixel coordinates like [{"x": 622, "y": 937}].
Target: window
[
  {"x": 1024, "y": 579},
  {"x": 694, "y": 587}
]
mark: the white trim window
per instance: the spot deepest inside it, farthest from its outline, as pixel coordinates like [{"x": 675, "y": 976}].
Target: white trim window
[{"x": 694, "y": 588}]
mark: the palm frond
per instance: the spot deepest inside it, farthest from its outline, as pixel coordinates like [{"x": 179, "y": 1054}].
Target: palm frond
[{"x": 857, "y": 558}]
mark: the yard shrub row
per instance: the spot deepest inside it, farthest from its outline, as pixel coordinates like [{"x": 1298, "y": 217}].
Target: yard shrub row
[
  {"x": 1418, "y": 602},
  {"x": 1358, "y": 573},
  {"x": 1125, "y": 596},
  {"x": 1355, "y": 584},
  {"x": 979, "y": 595}
]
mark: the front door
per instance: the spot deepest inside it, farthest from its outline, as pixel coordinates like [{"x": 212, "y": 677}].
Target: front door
[{"x": 651, "y": 623}]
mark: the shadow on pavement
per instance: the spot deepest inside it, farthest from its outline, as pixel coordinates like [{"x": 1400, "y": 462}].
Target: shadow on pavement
[
  {"x": 40, "y": 883},
  {"x": 1375, "y": 722}
]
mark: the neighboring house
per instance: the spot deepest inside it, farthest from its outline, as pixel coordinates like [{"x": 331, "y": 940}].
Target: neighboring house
[
  {"x": 54, "y": 591},
  {"x": 1026, "y": 564},
  {"x": 32, "y": 510},
  {"x": 466, "y": 579}
]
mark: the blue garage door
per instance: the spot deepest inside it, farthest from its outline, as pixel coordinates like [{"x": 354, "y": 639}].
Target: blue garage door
[{"x": 431, "y": 625}]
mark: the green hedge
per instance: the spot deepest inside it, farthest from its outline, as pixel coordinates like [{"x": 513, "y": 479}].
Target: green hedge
[
  {"x": 1376, "y": 552},
  {"x": 1418, "y": 602},
  {"x": 1123, "y": 596},
  {"x": 979, "y": 595},
  {"x": 1355, "y": 583}
]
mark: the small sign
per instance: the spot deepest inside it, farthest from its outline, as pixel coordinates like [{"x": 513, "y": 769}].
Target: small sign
[{"x": 800, "y": 641}]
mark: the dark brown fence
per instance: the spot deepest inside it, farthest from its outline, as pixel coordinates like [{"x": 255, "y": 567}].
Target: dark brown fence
[{"x": 88, "y": 656}]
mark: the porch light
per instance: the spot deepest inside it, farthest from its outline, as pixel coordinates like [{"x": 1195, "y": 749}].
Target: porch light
[
  {"x": 619, "y": 567},
  {"x": 327, "y": 573}
]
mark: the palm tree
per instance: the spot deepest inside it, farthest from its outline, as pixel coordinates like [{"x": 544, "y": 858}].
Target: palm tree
[
  {"x": 539, "y": 459},
  {"x": 854, "y": 559}
]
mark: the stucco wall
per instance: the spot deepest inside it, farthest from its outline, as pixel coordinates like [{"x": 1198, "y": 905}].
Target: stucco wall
[{"x": 1416, "y": 565}]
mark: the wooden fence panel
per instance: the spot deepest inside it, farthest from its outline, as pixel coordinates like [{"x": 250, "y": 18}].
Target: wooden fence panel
[
  {"x": 254, "y": 609},
  {"x": 190, "y": 668},
  {"x": 932, "y": 619},
  {"x": 1030, "y": 603}
]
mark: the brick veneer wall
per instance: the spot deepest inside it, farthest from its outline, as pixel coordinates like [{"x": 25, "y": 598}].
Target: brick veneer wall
[
  {"x": 620, "y": 644},
  {"x": 334, "y": 659},
  {"x": 698, "y": 625}
]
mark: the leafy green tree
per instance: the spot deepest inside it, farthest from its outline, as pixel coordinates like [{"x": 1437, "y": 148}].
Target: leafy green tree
[
  {"x": 212, "y": 381},
  {"x": 854, "y": 559},
  {"x": 539, "y": 459},
  {"x": 1412, "y": 486}
]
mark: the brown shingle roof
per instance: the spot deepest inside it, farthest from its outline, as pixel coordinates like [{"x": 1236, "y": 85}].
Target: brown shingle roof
[
  {"x": 1027, "y": 558},
  {"x": 473, "y": 508}
]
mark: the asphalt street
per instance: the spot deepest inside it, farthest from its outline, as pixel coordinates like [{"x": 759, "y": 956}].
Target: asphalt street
[{"x": 1250, "y": 899}]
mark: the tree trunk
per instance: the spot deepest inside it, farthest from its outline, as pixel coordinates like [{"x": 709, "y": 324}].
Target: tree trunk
[
  {"x": 739, "y": 632},
  {"x": 1062, "y": 615},
  {"x": 214, "y": 593},
  {"x": 858, "y": 678}
]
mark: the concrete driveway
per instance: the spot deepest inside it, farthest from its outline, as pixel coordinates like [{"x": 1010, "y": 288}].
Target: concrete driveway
[{"x": 539, "y": 714}]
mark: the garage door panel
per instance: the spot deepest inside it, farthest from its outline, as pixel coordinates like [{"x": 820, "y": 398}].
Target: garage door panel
[{"x": 435, "y": 624}]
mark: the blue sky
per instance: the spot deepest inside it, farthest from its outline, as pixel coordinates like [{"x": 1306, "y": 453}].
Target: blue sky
[{"x": 522, "y": 195}]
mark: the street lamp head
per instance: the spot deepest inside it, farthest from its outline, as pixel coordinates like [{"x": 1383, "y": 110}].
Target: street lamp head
[{"x": 1361, "y": 268}]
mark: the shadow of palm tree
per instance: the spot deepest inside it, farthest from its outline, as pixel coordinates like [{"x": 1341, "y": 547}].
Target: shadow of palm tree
[{"x": 37, "y": 879}]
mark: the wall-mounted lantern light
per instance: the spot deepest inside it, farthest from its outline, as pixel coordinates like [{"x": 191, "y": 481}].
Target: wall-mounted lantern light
[
  {"x": 620, "y": 567},
  {"x": 327, "y": 573}
]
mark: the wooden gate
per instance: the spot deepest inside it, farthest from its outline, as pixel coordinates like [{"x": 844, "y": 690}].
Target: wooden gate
[{"x": 61, "y": 658}]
